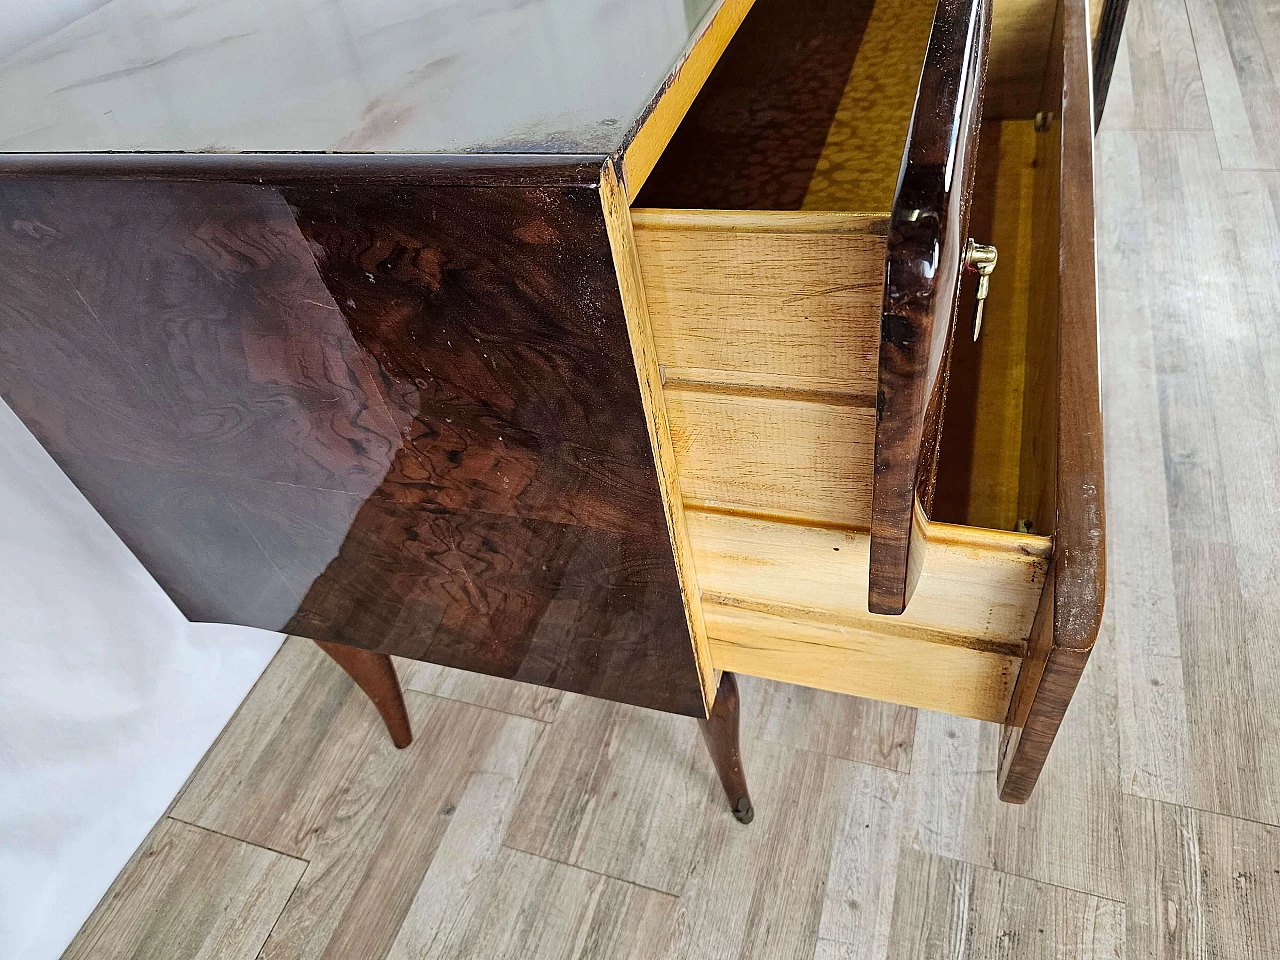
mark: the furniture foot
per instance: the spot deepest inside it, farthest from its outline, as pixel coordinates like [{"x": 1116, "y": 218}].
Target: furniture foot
[
  {"x": 374, "y": 674},
  {"x": 720, "y": 731}
]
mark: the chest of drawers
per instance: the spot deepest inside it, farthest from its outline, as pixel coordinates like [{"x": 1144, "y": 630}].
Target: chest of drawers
[{"x": 617, "y": 362}]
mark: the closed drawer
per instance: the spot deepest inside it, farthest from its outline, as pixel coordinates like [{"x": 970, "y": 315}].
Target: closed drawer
[{"x": 841, "y": 445}]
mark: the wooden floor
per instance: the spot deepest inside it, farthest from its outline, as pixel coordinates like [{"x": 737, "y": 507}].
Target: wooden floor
[{"x": 523, "y": 823}]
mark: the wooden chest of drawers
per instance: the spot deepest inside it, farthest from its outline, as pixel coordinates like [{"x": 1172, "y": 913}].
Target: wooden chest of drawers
[{"x": 616, "y": 390}]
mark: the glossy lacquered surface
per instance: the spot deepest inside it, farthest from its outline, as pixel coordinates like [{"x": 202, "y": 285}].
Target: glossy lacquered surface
[
  {"x": 404, "y": 419},
  {"x": 408, "y": 76},
  {"x": 927, "y": 232}
]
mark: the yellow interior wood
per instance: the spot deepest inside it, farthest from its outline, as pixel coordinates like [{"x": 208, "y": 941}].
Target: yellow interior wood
[
  {"x": 788, "y": 602},
  {"x": 775, "y": 454},
  {"x": 995, "y": 468},
  {"x": 794, "y": 297},
  {"x": 765, "y": 328},
  {"x": 1021, "y": 31},
  {"x": 910, "y": 671},
  {"x": 977, "y": 588}
]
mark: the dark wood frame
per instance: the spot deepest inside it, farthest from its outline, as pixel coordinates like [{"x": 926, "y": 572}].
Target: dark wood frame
[
  {"x": 1070, "y": 612},
  {"x": 927, "y": 231}
]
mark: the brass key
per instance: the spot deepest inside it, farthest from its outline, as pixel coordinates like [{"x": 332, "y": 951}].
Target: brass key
[{"x": 981, "y": 259}]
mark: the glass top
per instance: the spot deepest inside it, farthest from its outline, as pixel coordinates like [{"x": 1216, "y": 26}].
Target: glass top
[{"x": 345, "y": 76}]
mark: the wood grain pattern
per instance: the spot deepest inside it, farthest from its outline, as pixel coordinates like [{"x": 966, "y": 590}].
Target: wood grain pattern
[
  {"x": 871, "y": 732},
  {"x": 340, "y": 796},
  {"x": 376, "y": 415},
  {"x": 945, "y": 906},
  {"x": 776, "y": 454},
  {"x": 581, "y": 805},
  {"x": 528, "y": 907},
  {"x": 1200, "y": 622},
  {"x": 753, "y": 137},
  {"x": 1071, "y": 606},
  {"x": 777, "y": 644},
  {"x": 1235, "y": 47},
  {"x": 928, "y": 226},
  {"x": 480, "y": 899},
  {"x": 1142, "y": 596},
  {"x": 772, "y": 297},
  {"x": 782, "y": 600},
  {"x": 1200, "y": 885},
  {"x": 1156, "y": 79},
  {"x": 508, "y": 696},
  {"x": 189, "y": 893},
  {"x": 282, "y": 764},
  {"x": 734, "y": 894},
  {"x": 857, "y": 907},
  {"x": 952, "y": 809},
  {"x": 1185, "y": 338},
  {"x": 860, "y": 161},
  {"x": 978, "y": 587},
  {"x": 648, "y": 374},
  {"x": 621, "y": 791}
]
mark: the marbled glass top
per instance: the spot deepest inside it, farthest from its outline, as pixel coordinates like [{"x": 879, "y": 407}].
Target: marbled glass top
[{"x": 347, "y": 76}]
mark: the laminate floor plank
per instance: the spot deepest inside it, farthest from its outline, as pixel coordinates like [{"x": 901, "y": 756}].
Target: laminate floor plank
[
  {"x": 1238, "y": 58},
  {"x": 1200, "y": 885},
  {"x": 1156, "y": 84},
  {"x": 857, "y": 906},
  {"x": 621, "y": 791},
  {"x": 496, "y": 693},
  {"x": 1141, "y": 610},
  {"x": 1221, "y": 447},
  {"x": 951, "y": 909},
  {"x": 534, "y": 908},
  {"x": 189, "y": 894},
  {"x": 368, "y": 860},
  {"x": 1067, "y": 835},
  {"x": 853, "y": 728},
  {"x": 758, "y": 892},
  {"x": 280, "y": 768},
  {"x": 479, "y": 899}
]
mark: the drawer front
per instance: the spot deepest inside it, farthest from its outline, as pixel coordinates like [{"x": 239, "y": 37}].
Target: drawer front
[{"x": 927, "y": 232}]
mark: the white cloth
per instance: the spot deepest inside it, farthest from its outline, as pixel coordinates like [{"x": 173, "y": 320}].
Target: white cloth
[{"x": 108, "y": 699}]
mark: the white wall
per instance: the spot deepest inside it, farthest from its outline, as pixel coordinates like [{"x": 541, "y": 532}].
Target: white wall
[
  {"x": 108, "y": 699},
  {"x": 22, "y": 21}
]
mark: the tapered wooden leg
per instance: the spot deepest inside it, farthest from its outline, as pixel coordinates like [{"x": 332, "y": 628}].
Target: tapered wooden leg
[
  {"x": 720, "y": 731},
  {"x": 374, "y": 674}
]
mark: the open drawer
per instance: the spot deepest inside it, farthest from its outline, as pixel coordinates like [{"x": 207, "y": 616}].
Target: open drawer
[{"x": 801, "y": 248}]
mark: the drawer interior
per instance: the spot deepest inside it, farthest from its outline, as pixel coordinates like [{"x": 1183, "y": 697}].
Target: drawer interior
[{"x": 761, "y": 237}]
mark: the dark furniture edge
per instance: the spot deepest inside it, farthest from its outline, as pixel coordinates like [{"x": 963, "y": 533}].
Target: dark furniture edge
[
  {"x": 436, "y": 169},
  {"x": 1070, "y": 612},
  {"x": 1106, "y": 48},
  {"x": 920, "y": 285}
]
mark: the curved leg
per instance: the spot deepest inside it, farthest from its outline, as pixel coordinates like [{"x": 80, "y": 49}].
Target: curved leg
[
  {"x": 374, "y": 674},
  {"x": 720, "y": 731}
]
